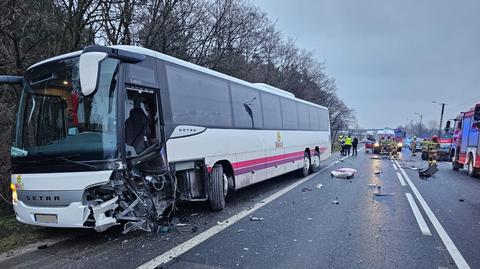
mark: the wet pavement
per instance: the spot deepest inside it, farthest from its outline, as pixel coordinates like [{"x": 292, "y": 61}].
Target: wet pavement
[{"x": 302, "y": 228}]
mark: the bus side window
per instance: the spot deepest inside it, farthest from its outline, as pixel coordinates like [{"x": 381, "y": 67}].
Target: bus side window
[{"x": 141, "y": 121}]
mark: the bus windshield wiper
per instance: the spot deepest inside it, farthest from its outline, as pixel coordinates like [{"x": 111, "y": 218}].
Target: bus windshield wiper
[
  {"x": 93, "y": 167},
  {"x": 65, "y": 158}
]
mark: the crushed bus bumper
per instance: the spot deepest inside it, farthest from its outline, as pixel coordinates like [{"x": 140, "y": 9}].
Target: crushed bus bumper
[{"x": 72, "y": 216}]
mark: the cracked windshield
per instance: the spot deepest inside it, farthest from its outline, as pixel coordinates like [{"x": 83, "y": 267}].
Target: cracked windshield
[{"x": 239, "y": 134}]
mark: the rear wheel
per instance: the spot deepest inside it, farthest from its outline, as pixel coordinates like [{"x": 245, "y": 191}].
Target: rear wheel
[
  {"x": 306, "y": 164},
  {"x": 217, "y": 188},
  {"x": 315, "y": 162},
  {"x": 472, "y": 171}
]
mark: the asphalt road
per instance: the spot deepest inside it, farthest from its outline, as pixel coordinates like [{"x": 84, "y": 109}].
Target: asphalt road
[{"x": 303, "y": 228}]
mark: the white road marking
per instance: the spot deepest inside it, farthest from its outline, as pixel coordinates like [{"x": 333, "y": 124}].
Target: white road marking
[
  {"x": 194, "y": 241},
  {"x": 447, "y": 241},
  {"x": 421, "y": 222},
  {"x": 394, "y": 166},
  {"x": 402, "y": 182}
]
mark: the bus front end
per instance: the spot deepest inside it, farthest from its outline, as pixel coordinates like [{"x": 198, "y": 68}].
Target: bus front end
[{"x": 69, "y": 167}]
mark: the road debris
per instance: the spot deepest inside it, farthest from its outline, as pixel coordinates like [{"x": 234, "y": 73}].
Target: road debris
[
  {"x": 375, "y": 158},
  {"x": 378, "y": 172},
  {"x": 182, "y": 224},
  {"x": 309, "y": 218},
  {"x": 240, "y": 230},
  {"x": 194, "y": 229},
  {"x": 164, "y": 229},
  {"x": 373, "y": 185},
  {"x": 347, "y": 173},
  {"x": 319, "y": 186},
  {"x": 44, "y": 246},
  {"x": 379, "y": 192},
  {"x": 194, "y": 214},
  {"x": 306, "y": 189},
  {"x": 252, "y": 218},
  {"x": 335, "y": 202},
  {"x": 246, "y": 249},
  {"x": 220, "y": 223},
  {"x": 461, "y": 200}
]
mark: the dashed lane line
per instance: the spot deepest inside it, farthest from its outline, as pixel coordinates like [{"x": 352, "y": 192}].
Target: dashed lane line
[
  {"x": 195, "y": 241},
  {"x": 402, "y": 182},
  {"x": 420, "y": 220},
  {"x": 447, "y": 241}
]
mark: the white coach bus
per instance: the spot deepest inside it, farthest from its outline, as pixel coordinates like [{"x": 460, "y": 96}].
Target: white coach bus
[{"x": 115, "y": 135}]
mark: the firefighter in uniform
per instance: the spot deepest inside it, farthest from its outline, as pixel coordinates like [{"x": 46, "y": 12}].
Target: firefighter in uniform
[
  {"x": 433, "y": 147},
  {"x": 413, "y": 146}
]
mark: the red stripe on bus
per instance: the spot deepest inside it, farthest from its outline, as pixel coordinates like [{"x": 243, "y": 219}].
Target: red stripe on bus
[{"x": 266, "y": 159}]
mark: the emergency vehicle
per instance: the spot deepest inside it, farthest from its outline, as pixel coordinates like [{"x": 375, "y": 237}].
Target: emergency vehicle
[{"x": 466, "y": 141}]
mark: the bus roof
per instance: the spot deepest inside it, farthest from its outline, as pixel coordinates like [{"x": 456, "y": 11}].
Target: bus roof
[{"x": 259, "y": 86}]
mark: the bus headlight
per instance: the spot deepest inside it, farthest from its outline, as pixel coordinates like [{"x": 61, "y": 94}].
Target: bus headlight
[{"x": 14, "y": 192}]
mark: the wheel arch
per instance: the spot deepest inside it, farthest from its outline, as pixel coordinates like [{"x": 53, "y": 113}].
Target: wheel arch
[{"x": 228, "y": 170}]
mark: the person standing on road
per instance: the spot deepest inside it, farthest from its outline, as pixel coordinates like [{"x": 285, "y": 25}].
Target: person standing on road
[
  {"x": 413, "y": 146},
  {"x": 341, "y": 144},
  {"x": 355, "y": 146},
  {"x": 348, "y": 145}
]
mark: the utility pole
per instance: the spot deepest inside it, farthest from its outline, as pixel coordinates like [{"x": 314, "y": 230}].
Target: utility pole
[
  {"x": 420, "y": 127},
  {"x": 441, "y": 117}
]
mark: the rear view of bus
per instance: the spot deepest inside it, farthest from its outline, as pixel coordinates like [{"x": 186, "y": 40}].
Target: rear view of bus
[{"x": 116, "y": 135}]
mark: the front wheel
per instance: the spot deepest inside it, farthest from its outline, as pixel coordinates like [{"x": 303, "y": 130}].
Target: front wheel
[
  {"x": 315, "y": 162},
  {"x": 217, "y": 188}
]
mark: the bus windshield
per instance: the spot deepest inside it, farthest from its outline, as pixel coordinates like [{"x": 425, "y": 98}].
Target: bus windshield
[{"x": 55, "y": 120}]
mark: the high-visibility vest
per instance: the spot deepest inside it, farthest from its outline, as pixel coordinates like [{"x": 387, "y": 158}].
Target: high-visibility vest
[{"x": 348, "y": 141}]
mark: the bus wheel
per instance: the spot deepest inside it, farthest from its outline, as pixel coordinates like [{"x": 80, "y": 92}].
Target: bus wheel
[
  {"x": 216, "y": 188},
  {"x": 306, "y": 164},
  {"x": 315, "y": 165}
]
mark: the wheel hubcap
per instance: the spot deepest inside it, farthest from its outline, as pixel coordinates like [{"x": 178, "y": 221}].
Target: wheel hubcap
[
  {"x": 316, "y": 161},
  {"x": 225, "y": 184},
  {"x": 306, "y": 163}
]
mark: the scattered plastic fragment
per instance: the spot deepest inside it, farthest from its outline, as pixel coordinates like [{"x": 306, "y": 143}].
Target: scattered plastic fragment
[
  {"x": 252, "y": 218},
  {"x": 347, "y": 173},
  {"x": 44, "y": 246},
  {"x": 378, "y": 172},
  {"x": 309, "y": 218},
  {"x": 375, "y": 158},
  {"x": 220, "y": 222},
  {"x": 246, "y": 249},
  {"x": 182, "y": 224},
  {"x": 306, "y": 189},
  {"x": 372, "y": 185},
  {"x": 461, "y": 200},
  {"x": 194, "y": 214},
  {"x": 319, "y": 186},
  {"x": 335, "y": 202},
  {"x": 240, "y": 230},
  {"x": 163, "y": 229}
]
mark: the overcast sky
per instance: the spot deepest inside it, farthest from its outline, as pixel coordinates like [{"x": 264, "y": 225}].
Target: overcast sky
[{"x": 390, "y": 58}]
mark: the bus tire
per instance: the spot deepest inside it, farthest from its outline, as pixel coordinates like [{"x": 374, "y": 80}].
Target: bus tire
[
  {"x": 306, "y": 164},
  {"x": 315, "y": 162},
  {"x": 216, "y": 192}
]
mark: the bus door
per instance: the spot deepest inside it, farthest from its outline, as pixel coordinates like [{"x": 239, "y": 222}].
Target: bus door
[{"x": 142, "y": 120}]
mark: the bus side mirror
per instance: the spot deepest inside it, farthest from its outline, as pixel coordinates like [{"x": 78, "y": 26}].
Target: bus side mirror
[
  {"x": 89, "y": 69},
  {"x": 447, "y": 127}
]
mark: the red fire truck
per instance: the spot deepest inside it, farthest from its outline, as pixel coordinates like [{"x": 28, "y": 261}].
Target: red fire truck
[{"x": 466, "y": 152}]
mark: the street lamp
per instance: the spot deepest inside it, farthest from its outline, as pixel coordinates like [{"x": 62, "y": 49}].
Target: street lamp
[{"x": 441, "y": 116}]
